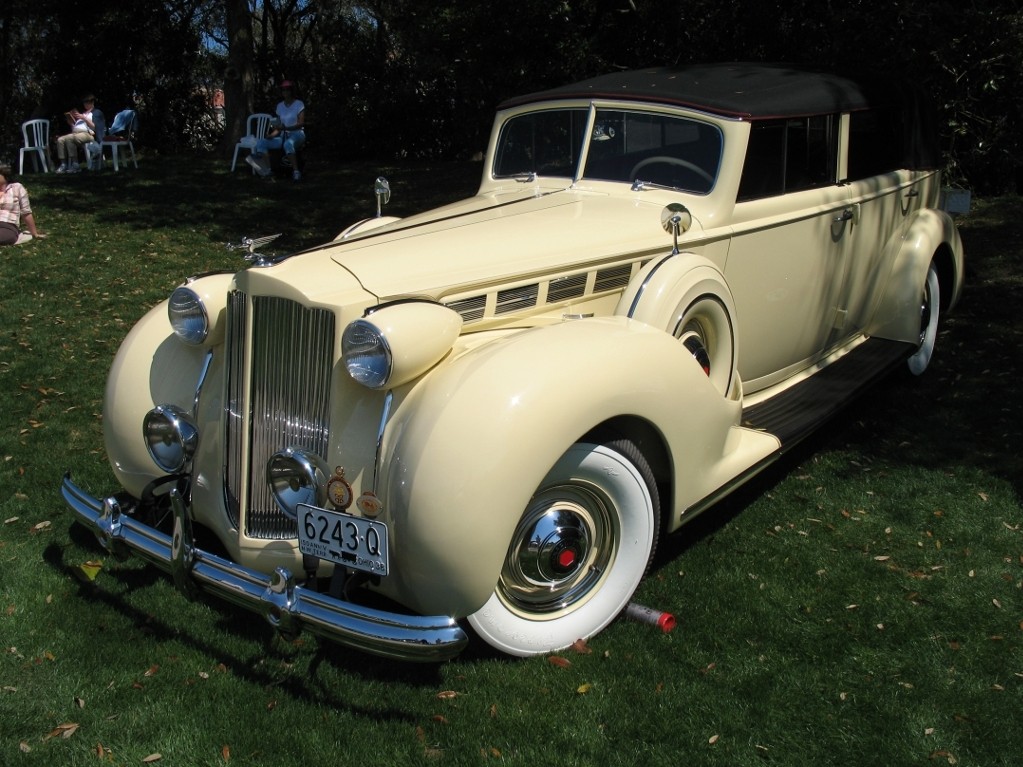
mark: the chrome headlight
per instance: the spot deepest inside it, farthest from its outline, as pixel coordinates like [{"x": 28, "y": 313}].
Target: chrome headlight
[
  {"x": 188, "y": 316},
  {"x": 297, "y": 476},
  {"x": 366, "y": 353},
  {"x": 399, "y": 342},
  {"x": 171, "y": 437}
]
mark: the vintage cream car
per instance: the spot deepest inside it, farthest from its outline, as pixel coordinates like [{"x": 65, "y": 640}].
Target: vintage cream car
[{"x": 485, "y": 415}]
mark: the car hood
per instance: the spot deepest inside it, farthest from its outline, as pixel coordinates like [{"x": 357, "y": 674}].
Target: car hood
[{"x": 492, "y": 238}]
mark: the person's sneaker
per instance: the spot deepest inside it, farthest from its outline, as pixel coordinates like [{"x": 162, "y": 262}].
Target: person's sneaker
[
  {"x": 23, "y": 237},
  {"x": 74, "y": 168},
  {"x": 62, "y": 168},
  {"x": 296, "y": 175}
]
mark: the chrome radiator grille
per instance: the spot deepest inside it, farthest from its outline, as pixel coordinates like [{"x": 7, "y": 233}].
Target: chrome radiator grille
[{"x": 289, "y": 350}]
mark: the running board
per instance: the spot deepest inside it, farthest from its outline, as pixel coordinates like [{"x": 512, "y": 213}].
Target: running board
[{"x": 794, "y": 413}]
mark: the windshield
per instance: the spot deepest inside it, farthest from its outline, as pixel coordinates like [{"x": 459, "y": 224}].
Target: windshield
[{"x": 626, "y": 146}]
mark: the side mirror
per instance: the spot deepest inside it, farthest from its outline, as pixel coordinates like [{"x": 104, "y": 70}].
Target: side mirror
[{"x": 383, "y": 192}]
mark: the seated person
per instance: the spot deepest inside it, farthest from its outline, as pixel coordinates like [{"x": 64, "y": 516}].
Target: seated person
[
  {"x": 83, "y": 130},
  {"x": 288, "y": 134},
  {"x": 15, "y": 210}
]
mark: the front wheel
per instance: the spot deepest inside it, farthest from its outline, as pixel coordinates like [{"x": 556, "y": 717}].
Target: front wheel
[
  {"x": 577, "y": 554},
  {"x": 930, "y": 304}
]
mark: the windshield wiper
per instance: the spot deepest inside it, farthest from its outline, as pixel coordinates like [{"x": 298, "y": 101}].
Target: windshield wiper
[{"x": 639, "y": 185}]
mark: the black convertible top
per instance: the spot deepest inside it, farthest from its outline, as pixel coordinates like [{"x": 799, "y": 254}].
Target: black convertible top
[{"x": 739, "y": 90}]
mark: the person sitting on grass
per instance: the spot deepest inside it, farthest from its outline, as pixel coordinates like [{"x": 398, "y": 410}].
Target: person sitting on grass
[
  {"x": 288, "y": 134},
  {"x": 15, "y": 209}
]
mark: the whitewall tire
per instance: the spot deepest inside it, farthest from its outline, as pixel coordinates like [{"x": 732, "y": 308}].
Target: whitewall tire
[
  {"x": 578, "y": 553},
  {"x": 930, "y": 305}
]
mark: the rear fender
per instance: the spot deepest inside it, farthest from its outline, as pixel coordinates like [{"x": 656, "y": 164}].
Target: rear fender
[{"x": 930, "y": 236}]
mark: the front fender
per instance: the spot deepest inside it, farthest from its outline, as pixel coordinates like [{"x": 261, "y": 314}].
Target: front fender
[
  {"x": 468, "y": 447},
  {"x": 930, "y": 235},
  {"x": 153, "y": 367}
]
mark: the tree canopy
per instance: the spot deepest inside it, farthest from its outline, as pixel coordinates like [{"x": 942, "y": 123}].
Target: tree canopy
[{"x": 420, "y": 78}]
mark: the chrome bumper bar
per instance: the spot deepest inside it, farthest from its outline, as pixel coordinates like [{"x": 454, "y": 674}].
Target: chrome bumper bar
[{"x": 286, "y": 606}]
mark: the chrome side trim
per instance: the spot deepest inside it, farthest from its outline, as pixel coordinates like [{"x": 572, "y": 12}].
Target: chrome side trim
[
  {"x": 205, "y": 371},
  {"x": 288, "y": 607},
  {"x": 385, "y": 415}
]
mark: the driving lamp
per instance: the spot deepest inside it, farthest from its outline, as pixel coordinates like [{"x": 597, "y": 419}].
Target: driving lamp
[
  {"x": 171, "y": 437},
  {"x": 297, "y": 476}
]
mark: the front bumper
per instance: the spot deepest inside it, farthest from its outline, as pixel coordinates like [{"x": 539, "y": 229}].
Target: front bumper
[{"x": 286, "y": 606}]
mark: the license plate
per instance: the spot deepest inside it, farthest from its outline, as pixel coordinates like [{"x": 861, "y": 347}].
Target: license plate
[{"x": 343, "y": 539}]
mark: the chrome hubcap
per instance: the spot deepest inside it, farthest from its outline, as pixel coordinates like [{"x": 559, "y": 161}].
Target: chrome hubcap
[
  {"x": 925, "y": 313},
  {"x": 561, "y": 549},
  {"x": 693, "y": 340}
]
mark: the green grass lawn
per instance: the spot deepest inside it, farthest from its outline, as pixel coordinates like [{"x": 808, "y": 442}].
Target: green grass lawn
[{"x": 861, "y": 602}]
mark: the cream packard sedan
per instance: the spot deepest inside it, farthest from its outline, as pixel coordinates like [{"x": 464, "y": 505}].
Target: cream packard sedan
[{"x": 483, "y": 417}]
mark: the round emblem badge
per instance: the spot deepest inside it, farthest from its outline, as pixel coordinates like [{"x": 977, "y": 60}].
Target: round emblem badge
[{"x": 338, "y": 490}]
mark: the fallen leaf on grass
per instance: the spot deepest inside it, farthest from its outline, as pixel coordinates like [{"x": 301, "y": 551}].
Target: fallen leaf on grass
[
  {"x": 65, "y": 731},
  {"x": 24, "y": 747},
  {"x": 560, "y": 662},
  {"x": 447, "y": 695},
  {"x": 11, "y": 520},
  {"x": 584, "y": 688},
  {"x": 713, "y": 739},
  {"x": 225, "y": 752},
  {"x": 581, "y": 647},
  {"x": 152, "y": 670},
  {"x": 91, "y": 569},
  {"x": 40, "y": 526},
  {"x": 79, "y": 703},
  {"x": 152, "y": 758}
]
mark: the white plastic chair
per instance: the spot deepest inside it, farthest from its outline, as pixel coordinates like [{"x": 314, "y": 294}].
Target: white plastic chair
[
  {"x": 94, "y": 149},
  {"x": 255, "y": 129},
  {"x": 127, "y": 140},
  {"x": 37, "y": 143}
]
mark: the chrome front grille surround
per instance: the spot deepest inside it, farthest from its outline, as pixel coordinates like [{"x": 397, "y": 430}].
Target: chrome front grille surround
[{"x": 280, "y": 355}]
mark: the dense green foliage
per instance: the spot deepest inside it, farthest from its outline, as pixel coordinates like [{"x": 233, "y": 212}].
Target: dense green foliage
[
  {"x": 858, "y": 603},
  {"x": 406, "y": 78}
]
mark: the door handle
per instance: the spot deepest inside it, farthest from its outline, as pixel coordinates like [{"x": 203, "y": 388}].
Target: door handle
[{"x": 846, "y": 215}]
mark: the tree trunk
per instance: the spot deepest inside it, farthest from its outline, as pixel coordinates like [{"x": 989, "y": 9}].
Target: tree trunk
[{"x": 238, "y": 78}]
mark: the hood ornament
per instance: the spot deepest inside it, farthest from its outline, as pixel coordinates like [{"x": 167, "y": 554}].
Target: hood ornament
[{"x": 251, "y": 245}]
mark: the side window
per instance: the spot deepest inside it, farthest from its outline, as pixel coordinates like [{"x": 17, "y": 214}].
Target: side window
[
  {"x": 875, "y": 143},
  {"x": 789, "y": 156}
]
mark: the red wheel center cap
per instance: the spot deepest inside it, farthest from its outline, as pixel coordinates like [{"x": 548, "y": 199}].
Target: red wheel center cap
[{"x": 566, "y": 558}]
